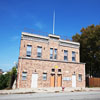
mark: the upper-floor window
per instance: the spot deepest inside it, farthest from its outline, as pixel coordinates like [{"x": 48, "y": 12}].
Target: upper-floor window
[
  {"x": 65, "y": 55},
  {"x": 39, "y": 52},
  {"x": 28, "y": 53},
  {"x": 55, "y": 53},
  {"x": 73, "y": 56},
  {"x": 51, "y": 53}
]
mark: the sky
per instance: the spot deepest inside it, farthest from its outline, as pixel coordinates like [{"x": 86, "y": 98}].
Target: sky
[{"x": 34, "y": 16}]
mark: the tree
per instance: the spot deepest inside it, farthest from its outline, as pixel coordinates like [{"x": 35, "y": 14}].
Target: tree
[
  {"x": 7, "y": 80},
  {"x": 89, "y": 40},
  {"x": 13, "y": 76}
]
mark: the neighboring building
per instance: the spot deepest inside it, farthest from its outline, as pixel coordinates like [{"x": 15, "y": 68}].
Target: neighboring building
[
  {"x": 1, "y": 71},
  {"x": 49, "y": 62}
]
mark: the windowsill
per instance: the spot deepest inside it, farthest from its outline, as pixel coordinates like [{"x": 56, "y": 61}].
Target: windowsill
[
  {"x": 39, "y": 57},
  {"x": 23, "y": 80},
  {"x": 44, "y": 80},
  {"x": 73, "y": 61},
  {"x": 79, "y": 81},
  {"x": 66, "y": 60},
  {"x": 28, "y": 56},
  {"x": 53, "y": 59}
]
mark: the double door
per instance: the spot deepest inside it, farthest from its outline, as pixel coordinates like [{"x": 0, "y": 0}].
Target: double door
[{"x": 53, "y": 80}]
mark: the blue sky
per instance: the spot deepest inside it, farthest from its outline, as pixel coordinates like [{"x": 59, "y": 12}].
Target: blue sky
[{"x": 23, "y": 15}]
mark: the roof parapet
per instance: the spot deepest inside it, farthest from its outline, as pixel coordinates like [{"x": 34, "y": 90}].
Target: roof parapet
[
  {"x": 54, "y": 36},
  {"x": 50, "y": 36},
  {"x": 34, "y": 35}
]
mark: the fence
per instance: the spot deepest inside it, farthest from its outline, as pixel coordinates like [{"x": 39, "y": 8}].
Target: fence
[{"x": 93, "y": 82}]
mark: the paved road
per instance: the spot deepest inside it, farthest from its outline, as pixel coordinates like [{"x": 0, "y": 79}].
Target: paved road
[{"x": 54, "y": 96}]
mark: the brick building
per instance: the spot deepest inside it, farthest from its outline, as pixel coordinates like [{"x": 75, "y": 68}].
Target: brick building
[{"x": 49, "y": 62}]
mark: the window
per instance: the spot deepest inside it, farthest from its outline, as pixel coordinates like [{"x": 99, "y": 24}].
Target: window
[
  {"x": 55, "y": 53},
  {"x": 39, "y": 52},
  {"x": 65, "y": 55},
  {"x": 44, "y": 76},
  {"x": 80, "y": 77},
  {"x": 73, "y": 56},
  {"x": 24, "y": 75},
  {"x": 51, "y": 53},
  {"x": 53, "y": 70},
  {"x": 28, "y": 53},
  {"x": 59, "y": 70}
]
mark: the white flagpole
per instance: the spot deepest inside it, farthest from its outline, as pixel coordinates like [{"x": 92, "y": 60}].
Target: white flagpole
[{"x": 53, "y": 22}]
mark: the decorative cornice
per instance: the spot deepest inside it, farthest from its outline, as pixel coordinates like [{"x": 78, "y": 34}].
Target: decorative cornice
[{"x": 39, "y": 38}]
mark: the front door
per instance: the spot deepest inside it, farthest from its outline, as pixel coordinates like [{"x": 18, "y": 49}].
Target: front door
[
  {"x": 52, "y": 80},
  {"x": 74, "y": 81},
  {"x": 34, "y": 81},
  {"x": 59, "y": 80}
]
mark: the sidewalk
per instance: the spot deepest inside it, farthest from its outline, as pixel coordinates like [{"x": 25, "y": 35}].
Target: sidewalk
[{"x": 46, "y": 90}]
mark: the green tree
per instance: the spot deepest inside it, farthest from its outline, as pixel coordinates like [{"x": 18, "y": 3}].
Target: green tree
[
  {"x": 90, "y": 48},
  {"x": 13, "y": 76},
  {"x": 7, "y": 80}
]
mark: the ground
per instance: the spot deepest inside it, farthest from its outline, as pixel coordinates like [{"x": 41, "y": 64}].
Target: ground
[{"x": 91, "y": 95}]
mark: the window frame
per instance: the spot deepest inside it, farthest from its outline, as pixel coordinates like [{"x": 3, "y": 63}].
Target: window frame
[
  {"x": 66, "y": 55},
  {"x": 29, "y": 55},
  {"x": 44, "y": 77},
  {"x": 39, "y": 53},
  {"x": 51, "y": 55},
  {"x": 74, "y": 56},
  {"x": 80, "y": 77},
  {"x": 24, "y": 76},
  {"x": 55, "y": 54}
]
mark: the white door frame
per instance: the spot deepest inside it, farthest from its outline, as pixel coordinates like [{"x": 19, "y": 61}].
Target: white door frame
[
  {"x": 34, "y": 82},
  {"x": 74, "y": 81}
]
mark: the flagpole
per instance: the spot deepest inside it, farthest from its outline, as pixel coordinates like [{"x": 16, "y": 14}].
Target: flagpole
[{"x": 53, "y": 22}]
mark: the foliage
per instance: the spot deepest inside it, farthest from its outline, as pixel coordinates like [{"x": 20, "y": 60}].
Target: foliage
[
  {"x": 90, "y": 48},
  {"x": 7, "y": 80}
]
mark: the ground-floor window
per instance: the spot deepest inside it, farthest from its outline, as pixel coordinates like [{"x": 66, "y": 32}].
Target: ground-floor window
[
  {"x": 44, "y": 76},
  {"x": 80, "y": 77},
  {"x": 24, "y": 75}
]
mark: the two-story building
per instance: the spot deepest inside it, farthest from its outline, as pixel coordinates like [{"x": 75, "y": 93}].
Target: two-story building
[{"x": 49, "y": 62}]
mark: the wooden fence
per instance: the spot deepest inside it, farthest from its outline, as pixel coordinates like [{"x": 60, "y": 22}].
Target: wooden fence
[{"x": 93, "y": 82}]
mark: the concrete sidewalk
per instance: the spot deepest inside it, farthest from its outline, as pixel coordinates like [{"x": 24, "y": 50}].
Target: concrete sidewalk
[{"x": 46, "y": 90}]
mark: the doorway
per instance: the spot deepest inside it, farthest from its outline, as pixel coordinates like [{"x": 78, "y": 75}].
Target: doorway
[
  {"x": 74, "y": 80},
  {"x": 52, "y": 80},
  {"x": 59, "y": 80},
  {"x": 34, "y": 83}
]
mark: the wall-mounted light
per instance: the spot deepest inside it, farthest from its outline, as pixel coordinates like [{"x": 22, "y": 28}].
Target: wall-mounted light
[{"x": 35, "y": 70}]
